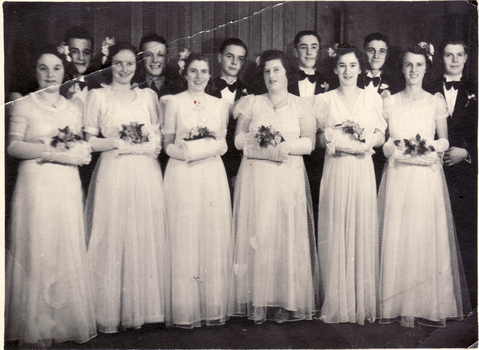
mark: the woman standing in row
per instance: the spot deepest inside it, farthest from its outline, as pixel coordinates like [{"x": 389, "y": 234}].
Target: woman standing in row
[
  {"x": 275, "y": 261},
  {"x": 348, "y": 226},
  {"x": 48, "y": 291},
  {"x": 419, "y": 257},
  {"x": 125, "y": 207},
  {"x": 198, "y": 201}
]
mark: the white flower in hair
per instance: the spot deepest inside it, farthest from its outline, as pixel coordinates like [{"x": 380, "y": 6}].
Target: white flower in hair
[
  {"x": 63, "y": 50},
  {"x": 332, "y": 50},
  {"x": 428, "y": 47},
  {"x": 183, "y": 55},
  {"x": 258, "y": 61}
]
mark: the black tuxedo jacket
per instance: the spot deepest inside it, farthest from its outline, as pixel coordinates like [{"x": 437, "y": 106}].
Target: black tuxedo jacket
[
  {"x": 387, "y": 82},
  {"x": 172, "y": 85},
  {"x": 232, "y": 158}
]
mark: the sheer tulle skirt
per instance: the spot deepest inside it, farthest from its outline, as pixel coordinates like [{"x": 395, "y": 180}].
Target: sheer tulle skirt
[
  {"x": 199, "y": 231},
  {"x": 421, "y": 272},
  {"x": 275, "y": 271},
  {"x": 48, "y": 290},
  {"x": 127, "y": 241},
  {"x": 347, "y": 240}
]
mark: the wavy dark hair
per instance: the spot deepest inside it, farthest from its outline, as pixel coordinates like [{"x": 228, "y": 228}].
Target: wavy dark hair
[
  {"x": 53, "y": 50},
  {"x": 439, "y": 65},
  {"x": 115, "y": 49},
  {"x": 270, "y": 55},
  {"x": 195, "y": 57},
  {"x": 345, "y": 49},
  {"x": 418, "y": 50}
]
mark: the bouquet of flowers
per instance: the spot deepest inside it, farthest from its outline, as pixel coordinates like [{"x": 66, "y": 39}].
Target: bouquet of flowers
[
  {"x": 415, "y": 151},
  {"x": 267, "y": 145},
  {"x": 201, "y": 143},
  {"x": 267, "y": 135},
  {"x": 200, "y": 132},
  {"x": 67, "y": 148},
  {"x": 346, "y": 137},
  {"x": 135, "y": 139}
]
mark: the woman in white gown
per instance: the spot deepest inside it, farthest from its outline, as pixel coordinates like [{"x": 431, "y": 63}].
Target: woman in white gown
[
  {"x": 347, "y": 215},
  {"x": 125, "y": 206},
  {"x": 48, "y": 292},
  {"x": 419, "y": 257},
  {"x": 198, "y": 201},
  {"x": 275, "y": 272}
]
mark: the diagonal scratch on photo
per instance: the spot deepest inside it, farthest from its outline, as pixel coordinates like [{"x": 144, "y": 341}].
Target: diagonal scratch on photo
[{"x": 240, "y": 174}]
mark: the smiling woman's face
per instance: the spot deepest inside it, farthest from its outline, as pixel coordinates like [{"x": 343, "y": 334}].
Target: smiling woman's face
[
  {"x": 198, "y": 75},
  {"x": 348, "y": 69},
  {"x": 49, "y": 72},
  {"x": 123, "y": 66},
  {"x": 414, "y": 68}
]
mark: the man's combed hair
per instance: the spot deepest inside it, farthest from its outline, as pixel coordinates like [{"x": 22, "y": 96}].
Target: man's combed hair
[{"x": 78, "y": 33}]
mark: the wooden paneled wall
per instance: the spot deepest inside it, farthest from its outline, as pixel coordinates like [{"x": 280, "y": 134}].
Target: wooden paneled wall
[{"x": 202, "y": 26}]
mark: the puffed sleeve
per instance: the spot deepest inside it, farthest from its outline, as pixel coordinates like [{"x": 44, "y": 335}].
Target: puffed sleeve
[
  {"x": 380, "y": 122},
  {"x": 94, "y": 109},
  {"x": 321, "y": 110},
  {"x": 19, "y": 121},
  {"x": 170, "y": 116},
  {"x": 244, "y": 107},
  {"x": 308, "y": 122},
  {"x": 440, "y": 106}
]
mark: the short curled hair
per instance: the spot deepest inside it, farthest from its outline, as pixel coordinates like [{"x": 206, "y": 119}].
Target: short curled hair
[
  {"x": 152, "y": 37},
  {"x": 375, "y": 36},
  {"x": 78, "y": 33},
  {"x": 112, "y": 52},
  {"x": 345, "y": 49},
  {"x": 233, "y": 41},
  {"x": 302, "y": 33},
  {"x": 53, "y": 50},
  {"x": 270, "y": 55},
  {"x": 195, "y": 57}
]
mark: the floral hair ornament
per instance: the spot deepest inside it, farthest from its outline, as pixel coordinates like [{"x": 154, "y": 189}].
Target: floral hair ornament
[
  {"x": 105, "y": 48},
  {"x": 63, "y": 50},
  {"x": 429, "y": 49},
  {"x": 183, "y": 55},
  {"x": 332, "y": 50},
  {"x": 258, "y": 61}
]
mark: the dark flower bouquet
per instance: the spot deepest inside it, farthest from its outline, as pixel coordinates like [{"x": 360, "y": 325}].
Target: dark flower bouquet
[
  {"x": 65, "y": 139},
  {"x": 133, "y": 133},
  {"x": 352, "y": 128},
  {"x": 416, "y": 151},
  {"x": 267, "y": 135},
  {"x": 200, "y": 133}
]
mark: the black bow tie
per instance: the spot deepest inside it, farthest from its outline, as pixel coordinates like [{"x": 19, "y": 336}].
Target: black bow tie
[
  {"x": 375, "y": 80},
  {"x": 449, "y": 84},
  {"x": 231, "y": 87},
  {"x": 311, "y": 77},
  {"x": 82, "y": 84}
]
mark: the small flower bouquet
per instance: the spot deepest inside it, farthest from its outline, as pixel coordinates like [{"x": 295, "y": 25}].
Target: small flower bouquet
[
  {"x": 201, "y": 143},
  {"x": 347, "y": 137},
  {"x": 414, "y": 151},
  {"x": 267, "y": 135},
  {"x": 135, "y": 139},
  {"x": 67, "y": 148},
  {"x": 198, "y": 133},
  {"x": 266, "y": 144}
]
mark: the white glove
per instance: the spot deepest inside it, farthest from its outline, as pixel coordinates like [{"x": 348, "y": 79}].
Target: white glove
[
  {"x": 78, "y": 154},
  {"x": 240, "y": 141},
  {"x": 102, "y": 144},
  {"x": 298, "y": 147},
  {"x": 202, "y": 148},
  {"x": 441, "y": 145},
  {"x": 125, "y": 147},
  {"x": 389, "y": 147}
]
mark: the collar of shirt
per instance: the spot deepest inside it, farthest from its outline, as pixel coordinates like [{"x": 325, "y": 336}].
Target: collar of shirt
[
  {"x": 158, "y": 80},
  {"x": 447, "y": 78},
  {"x": 369, "y": 74}
]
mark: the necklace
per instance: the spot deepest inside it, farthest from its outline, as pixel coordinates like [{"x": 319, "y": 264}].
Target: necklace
[
  {"x": 51, "y": 104},
  {"x": 275, "y": 106}
]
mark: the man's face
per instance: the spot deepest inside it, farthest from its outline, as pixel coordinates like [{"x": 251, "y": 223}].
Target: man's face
[
  {"x": 376, "y": 51},
  {"x": 154, "y": 54},
  {"x": 232, "y": 60},
  {"x": 455, "y": 58},
  {"x": 80, "y": 52},
  {"x": 307, "y": 51}
]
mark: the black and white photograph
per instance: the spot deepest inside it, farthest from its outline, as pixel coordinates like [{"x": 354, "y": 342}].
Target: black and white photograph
[{"x": 240, "y": 174}]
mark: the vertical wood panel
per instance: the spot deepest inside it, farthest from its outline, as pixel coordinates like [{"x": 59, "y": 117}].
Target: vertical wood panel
[
  {"x": 301, "y": 16},
  {"x": 124, "y": 17},
  {"x": 98, "y": 29},
  {"x": 149, "y": 24},
  {"x": 289, "y": 26},
  {"x": 75, "y": 14},
  {"x": 232, "y": 16},
  {"x": 136, "y": 23},
  {"x": 255, "y": 29},
  {"x": 266, "y": 27},
  {"x": 161, "y": 21},
  {"x": 243, "y": 25},
  {"x": 310, "y": 11},
  {"x": 196, "y": 26},
  {"x": 278, "y": 28},
  {"x": 220, "y": 20},
  {"x": 172, "y": 28},
  {"x": 208, "y": 25}
]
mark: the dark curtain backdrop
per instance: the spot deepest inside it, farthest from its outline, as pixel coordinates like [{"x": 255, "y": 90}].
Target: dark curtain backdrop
[{"x": 202, "y": 26}]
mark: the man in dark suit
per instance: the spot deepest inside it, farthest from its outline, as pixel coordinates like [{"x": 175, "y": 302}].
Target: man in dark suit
[
  {"x": 158, "y": 76},
  {"x": 310, "y": 82},
  {"x": 460, "y": 160},
  {"x": 231, "y": 57},
  {"x": 378, "y": 78}
]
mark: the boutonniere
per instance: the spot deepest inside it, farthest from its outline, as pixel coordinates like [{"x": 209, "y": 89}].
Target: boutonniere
[
  {"x": 470, "y": 97},
  {"x": 245, "y": 92},
  {"x": 383, "y": 86},
  {"x": 325, "y": 86}
]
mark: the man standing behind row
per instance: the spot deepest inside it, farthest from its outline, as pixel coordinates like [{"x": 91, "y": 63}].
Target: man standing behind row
[{"x": 231, "y": 57}]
